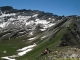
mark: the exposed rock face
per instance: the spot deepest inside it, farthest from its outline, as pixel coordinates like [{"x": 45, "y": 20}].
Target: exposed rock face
[{"x": 15, "y": 23}]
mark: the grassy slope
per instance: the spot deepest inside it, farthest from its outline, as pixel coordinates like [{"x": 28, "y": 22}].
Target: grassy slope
[
  {"x": 9, "y": 45},
  {"x": 12, "y": 45},
  {"x": 42, "y": 46},
  {"x": 52, "y": 44}
]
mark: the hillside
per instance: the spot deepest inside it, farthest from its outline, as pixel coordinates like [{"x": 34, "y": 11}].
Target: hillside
[
  {"x": 25, "y": 34},
  {"x": 65, "y": 45}
]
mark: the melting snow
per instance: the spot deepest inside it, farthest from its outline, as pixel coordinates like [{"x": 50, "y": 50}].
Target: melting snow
[
  {"x": 47, "y": 26},
  {"x": 31, "y": 33},
  {"x": 43, "y": 37},
  {"x": 7, "y": 58},
  {"x": 2, "y": 25},
  {"x": 11, "y": 19},
  {"x": 24, "y": 52},
  {"x": 49, "y": 18},
  {"x": 13, "y": 56},
  {"x": 32, "y": 38},
  {"x": 42, "y": 29},
  {"x": 45, "y": 23},
  {"x": 21, "y": 52},
  {"x": 35, "y": 15},
  {"x": 30, "y": 23},
  {"x": 23, "y": 17},
  {"x": 3, "y": 15},
  {"x": 51, "y": 24},
  {"x": 41, "y": 21},
  {"x": 25, "y": 49}
]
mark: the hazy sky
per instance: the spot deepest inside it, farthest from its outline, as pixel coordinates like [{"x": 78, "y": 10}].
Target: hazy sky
[{"x": 59, "y": 7}]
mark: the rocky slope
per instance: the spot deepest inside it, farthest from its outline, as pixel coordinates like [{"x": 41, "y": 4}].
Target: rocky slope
[{"x": 24, "y": 21}]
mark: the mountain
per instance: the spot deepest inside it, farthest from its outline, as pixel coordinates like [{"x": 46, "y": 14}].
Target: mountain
[
  {"x": 25, "y": 21},
  {"x": 20, "y": 28}
]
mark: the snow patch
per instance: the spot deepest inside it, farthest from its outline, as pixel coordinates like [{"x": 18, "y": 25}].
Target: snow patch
[
  {"x": 35, "y": 15},
  {"x": 31, "y": 33},
  {"x": 24, "y": 52},
  {"x": 30, "y": 23},
  {"x": 13, "y": 56},
  {"x": 11, "y": 19},
  {"x": 23, "y": 17},
  {"x": 21, "y": 52},
  {"x": 32, "y": 38},
  {"x": 43, "y": 37},
  {"x": 28, "y": 47},
  {"x": 7, "y": 58},
  {"x": 51, "y": 24},
  {"x": 42, "y": 29},
  {"x": 48, "y": 25},
  {"x": 37, "y": 21},
  {"x": 49, "y": 18},
  {"x": 2, "y": 25},
  {"x": 4, "y": 15}
]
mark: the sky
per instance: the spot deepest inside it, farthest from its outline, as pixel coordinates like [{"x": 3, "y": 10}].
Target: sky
[{"x": 59, "y": 7}]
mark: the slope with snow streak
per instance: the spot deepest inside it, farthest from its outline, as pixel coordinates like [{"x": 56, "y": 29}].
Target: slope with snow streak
[
  {"x": 32, "y": 38},
  {"x": 21, "y": 52},
  {"x": 7, "y": 58}
]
